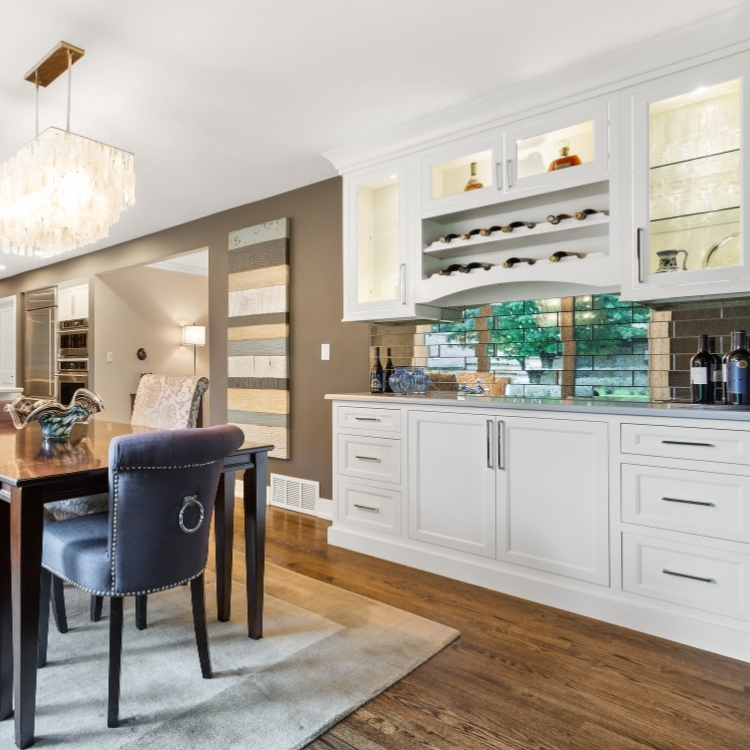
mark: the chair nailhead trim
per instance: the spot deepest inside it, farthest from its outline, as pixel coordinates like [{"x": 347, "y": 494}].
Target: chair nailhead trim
[{"x": 124, "y": 593}]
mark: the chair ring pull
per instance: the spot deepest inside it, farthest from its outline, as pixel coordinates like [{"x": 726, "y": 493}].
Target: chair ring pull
[{"x": 187, "y": 502}]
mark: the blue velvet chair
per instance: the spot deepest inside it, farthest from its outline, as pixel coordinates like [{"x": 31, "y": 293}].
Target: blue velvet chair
[{"x": 154, "y": 536}]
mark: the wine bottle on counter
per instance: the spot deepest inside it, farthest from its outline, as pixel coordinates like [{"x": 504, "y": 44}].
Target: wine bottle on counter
[
  {"x": 376, "y": 374},
  {"x": 566, "y": 159},
  {"x": 702, "y": 374},
  {"x": 718, "y": 371},
  {"x": 473, "y": 183},
  {"x": 449, "y": 237},
  {"x": 738, "y": 367},
  {"x": 725, "y": 360},
  {"x": 450, "y": 269},
  {"x": 389, "y": 370},
  {"x": 488, "y": 232},
  {"x": 557, "y": 218}
]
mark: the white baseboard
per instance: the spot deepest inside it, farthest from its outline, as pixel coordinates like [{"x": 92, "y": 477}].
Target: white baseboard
[
  {"x": 323, "y": 508},
  {"x": 599, "y": 602}
]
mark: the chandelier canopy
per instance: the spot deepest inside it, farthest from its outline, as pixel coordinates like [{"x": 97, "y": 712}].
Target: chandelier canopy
[{"x": 61, "y": 191}]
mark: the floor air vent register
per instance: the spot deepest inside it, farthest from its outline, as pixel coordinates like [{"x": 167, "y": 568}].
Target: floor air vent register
[{"x": 294, "y": 494}]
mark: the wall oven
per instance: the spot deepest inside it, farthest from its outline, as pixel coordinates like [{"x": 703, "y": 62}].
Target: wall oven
[{"x": 72, "y": 358}]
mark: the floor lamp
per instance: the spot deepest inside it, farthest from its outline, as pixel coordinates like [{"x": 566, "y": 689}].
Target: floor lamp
[{"x": 194, "y": 336}]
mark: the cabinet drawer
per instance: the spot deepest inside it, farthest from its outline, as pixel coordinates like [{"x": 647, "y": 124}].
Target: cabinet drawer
[
  {"x": 697, "y": 502},
  {"x": 370, "y": 507},
  {"x": 698, "y": 577},
  {"x": 370, "y": 419},
  {"x": 377, "y": 459},
  {"x": 698, "y": 444}
]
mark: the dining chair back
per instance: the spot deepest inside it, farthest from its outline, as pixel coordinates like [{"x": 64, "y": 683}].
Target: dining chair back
[
  {"x": 154, "y": 537},
  {"x": 168, "y": 402}
]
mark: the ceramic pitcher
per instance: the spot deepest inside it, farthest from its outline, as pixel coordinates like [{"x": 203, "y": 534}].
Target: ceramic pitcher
[{"x": 668, "y": 261}]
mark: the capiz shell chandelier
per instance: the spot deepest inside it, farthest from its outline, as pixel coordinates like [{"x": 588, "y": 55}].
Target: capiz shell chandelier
[{"x": 61, "y": 191}]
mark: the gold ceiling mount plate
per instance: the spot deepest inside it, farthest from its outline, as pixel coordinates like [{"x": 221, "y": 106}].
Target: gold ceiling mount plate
[{"x": 54, "y": 64}]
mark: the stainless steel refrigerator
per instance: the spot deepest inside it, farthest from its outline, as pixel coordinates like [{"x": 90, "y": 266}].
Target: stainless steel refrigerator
[{"x": 39, "y": 352}]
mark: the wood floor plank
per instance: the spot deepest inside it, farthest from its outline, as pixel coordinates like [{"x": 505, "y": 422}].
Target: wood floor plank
[{"x": 522, "y": 676}]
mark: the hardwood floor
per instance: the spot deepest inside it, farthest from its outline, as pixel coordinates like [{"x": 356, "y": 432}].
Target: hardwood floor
[{"x": 522, "y": 675}]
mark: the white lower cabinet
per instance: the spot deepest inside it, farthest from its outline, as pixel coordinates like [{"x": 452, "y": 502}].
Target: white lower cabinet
[
  {"x": 370, "y": 507},
  {"x": 452, "y": 480},
  {"x": 553, "y": 495}
]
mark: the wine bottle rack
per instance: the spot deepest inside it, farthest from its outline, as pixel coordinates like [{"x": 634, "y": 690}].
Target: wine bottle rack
[{"x": 543, "y": 232}]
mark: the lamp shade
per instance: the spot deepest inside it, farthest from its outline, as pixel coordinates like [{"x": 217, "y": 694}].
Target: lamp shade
[{"x": 194, "y": 335}]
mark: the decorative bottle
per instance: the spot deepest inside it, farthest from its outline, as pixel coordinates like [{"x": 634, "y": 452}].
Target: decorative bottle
[
  {"x": 473, "y": 183},
  {"x": 421, "y": 380},
  {"x": 701, "y": 374},
  {"x": 718, "y": 371},
  {"x": 738, "y": 367},
  {"x": 401, "y": 381},
  {"x": 565, "y": 160},
  {"x": 376, "y": 374},
  {"x": 387, "y": 373}
]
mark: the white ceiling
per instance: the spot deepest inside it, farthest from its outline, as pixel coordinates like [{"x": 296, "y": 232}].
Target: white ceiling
[{"x": 230, "y": 101}]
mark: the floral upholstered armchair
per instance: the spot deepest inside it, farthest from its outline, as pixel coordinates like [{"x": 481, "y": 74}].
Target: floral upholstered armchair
[{"x": 168, "y": 402}]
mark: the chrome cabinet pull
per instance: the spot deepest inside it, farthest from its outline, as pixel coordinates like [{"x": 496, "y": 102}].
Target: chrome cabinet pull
[
  {"x": 638, "y": 252},
  {"x": 688, "y": 502},
  {"x": 367, "y": 507},
  {"x": 367, "y": 458},
  {"x": 687, "y": 575},
  {"x": 686, "y": 442},
  {"x": 489, "y": 444},
  {"x": 367, "y": 419},
  {"x": 509, "y": 167},
  {"x": 402, "y": 282},
  {"x": 501, "y": 444}
]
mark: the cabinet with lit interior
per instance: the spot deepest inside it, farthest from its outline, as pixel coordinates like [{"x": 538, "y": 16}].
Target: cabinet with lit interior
[{"x": 690, "y": 158}]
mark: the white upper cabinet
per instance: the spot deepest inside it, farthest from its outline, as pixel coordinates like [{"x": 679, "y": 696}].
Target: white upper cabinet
[
  {"x": 690, "y": 159},
  {"x": 73, "y": 300},
  {"x": 558, "y": 152}
]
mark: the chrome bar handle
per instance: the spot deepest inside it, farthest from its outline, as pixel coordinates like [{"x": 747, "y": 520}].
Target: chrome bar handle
[
  {"x": 489, "y": 444},
  {"x": 638, "y": 233},
  {"x": 509, "y": 168},
  {"x": 687, "y": 575},
  {"x": 501, "y": 444},
  {"x": 688, "y": 502},
  {"x": 688, "y": 442},
  {"x": 367, "y": 458},
  {"x": 367, "y": 507},
  {"x": 367, "y": 419},
  {"x": 402, "y": 282}
]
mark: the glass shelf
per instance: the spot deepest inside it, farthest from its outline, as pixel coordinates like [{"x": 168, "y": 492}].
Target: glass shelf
[
  {"x": 718, "y": 213},
  {"x": 696, "y": 158}
]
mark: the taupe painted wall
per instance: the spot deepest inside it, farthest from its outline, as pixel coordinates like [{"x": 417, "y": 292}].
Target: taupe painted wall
[
  {"x": 316, "y": 308},
  {"x": 156, "y": 304}
]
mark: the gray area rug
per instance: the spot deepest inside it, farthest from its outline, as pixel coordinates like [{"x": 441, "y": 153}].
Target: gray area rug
[{"x": 324, "y": 653}]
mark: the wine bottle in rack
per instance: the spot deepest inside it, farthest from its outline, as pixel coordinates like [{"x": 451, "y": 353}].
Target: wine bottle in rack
[
  {"x": 702, "y": 374},
  {"x": 473, "y": 183},
  {"x": 376, "y": 374},
  {"x": 718, "y": 371},
  {"x": 468, "y": 235},
  {"x": 557, "y": 218},
  {"x": 515, "y": 224},
  {"x": 389, "y": 370},
  {"x": 738, "y": 372},
  {"x": 560, "y": 254},
  {"x": 471, "y": 266},
  {"x": 581, "y": 215},
  {"x": 510, "y": 262},
  {"x": 450, "y": 269},
  {"x": 488, "y": 232},
  {"x": 449, "y": 237}
]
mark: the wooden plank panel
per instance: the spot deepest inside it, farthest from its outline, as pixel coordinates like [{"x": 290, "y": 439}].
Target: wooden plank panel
[
  {"x": 246, "y": 333},
  {"x": 270, "y": 299},
  {"x": 259, "y": 277},
  {"x": 262, "y": 347},
  {"x": 268, "y": 401},
  {"x": 270, "y": 230},
  {"x": 258, "y": 367},
  {"x": 277, "y": 436},
  {"x": 264, "y": 255}
]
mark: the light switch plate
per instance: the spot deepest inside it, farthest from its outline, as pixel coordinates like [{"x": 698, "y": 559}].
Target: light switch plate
[
  {"x": 110, "y": 357},
  {"x": 325, "y": 351}
]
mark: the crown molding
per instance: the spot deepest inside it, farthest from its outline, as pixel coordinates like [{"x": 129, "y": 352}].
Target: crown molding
[{"x": 704, "y": 41}]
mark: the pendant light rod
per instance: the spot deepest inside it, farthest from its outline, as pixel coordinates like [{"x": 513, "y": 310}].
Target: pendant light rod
[
  {"x": 36, "y": 81},
  {"x": 70, "y": 79}
]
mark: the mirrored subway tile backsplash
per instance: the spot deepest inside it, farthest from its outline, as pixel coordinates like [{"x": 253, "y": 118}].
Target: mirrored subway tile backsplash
[{"x": 590, "y": 346}]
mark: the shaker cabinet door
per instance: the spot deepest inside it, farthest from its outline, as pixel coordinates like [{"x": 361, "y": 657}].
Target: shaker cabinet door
[
  {"x": 452, "y": 481},
  {"x": 553, "y": 496}
]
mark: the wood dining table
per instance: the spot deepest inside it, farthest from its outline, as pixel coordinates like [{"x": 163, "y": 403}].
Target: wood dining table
[{"x": 34, "y": 472}]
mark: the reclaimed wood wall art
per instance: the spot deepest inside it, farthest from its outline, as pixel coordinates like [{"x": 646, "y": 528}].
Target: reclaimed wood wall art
[{"x": 258, "y": 395}]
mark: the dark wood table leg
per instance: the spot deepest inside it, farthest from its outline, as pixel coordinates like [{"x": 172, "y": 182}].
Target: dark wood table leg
[
  {"x": 6, "y": 616},
  {"x": 26, "y": 529},
  {"x": 254, "y": 495},
  {"x": 224, "y": 541}
]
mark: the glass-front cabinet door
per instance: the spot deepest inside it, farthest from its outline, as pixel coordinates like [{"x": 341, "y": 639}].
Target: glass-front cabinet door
[
  {"x": 565, "y": 149},
  {"x": 689, "y": 165},
  {"x": 376, "y": 243}
]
